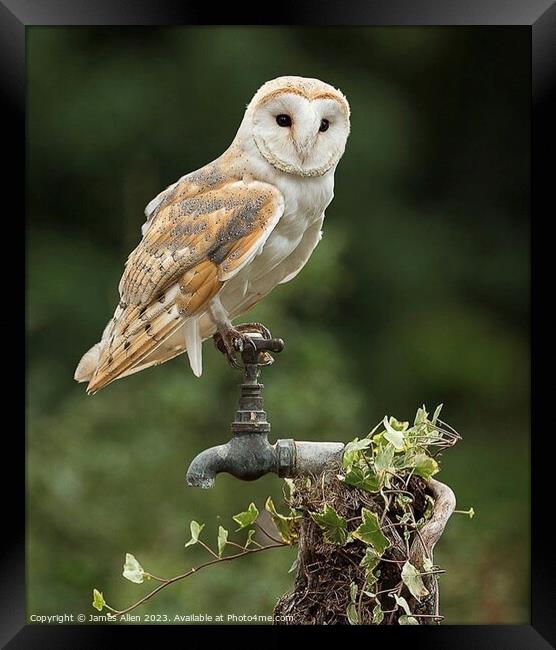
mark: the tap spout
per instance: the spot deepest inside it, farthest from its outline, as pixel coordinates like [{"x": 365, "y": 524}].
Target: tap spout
[
  {"x": 250, "y": 456},
  {"x": 247, "y": 457}
]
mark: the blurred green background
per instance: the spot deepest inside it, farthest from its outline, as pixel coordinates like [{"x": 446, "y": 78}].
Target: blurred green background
[{"x": 419, "y": 292}]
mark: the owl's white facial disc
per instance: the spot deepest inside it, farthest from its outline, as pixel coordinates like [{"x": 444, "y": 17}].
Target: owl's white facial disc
[{"x": 301, "y": 135}]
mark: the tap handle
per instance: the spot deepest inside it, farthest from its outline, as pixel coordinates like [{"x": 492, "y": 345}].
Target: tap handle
[{"x": 259, "y": 352}]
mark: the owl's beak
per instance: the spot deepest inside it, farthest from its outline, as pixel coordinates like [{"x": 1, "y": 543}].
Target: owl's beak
[
  {"x": 304, "y": 148},
  {"x": 306, "y": 134}
]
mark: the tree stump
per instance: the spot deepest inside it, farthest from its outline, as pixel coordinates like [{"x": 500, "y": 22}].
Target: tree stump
[{"x": 332, "y": 586}]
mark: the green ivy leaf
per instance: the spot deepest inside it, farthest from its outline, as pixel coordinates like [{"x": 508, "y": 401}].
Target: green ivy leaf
[
  {"x": 286, "y": 525},
  {"x": 384, "y": 459},
  {"x": 133, "y": 571},
  {"x": 369, "y": 532},
  {"x": 425, "y": 466},
  {"x": 352, "y": 615},
  {"x": 247, "y": 518},
  {"x": 222, "y": 540},
  {"x": 362, "y": 478},
  {"x": 289, "y": 488},
  {"x": 397, "y": 425},
  {"x": 371, "y": 579},
  {"x": 369, "y": 562},
  {"x": 370, "y": 559},
  {"x": 401, "y": 602},
  {"x": 421, "y": 417},
  {"x": 392, "y": 434},
  {"x": 333, "y": 526},
  {"x": 352, "y": 451},
  {"x": 98, "y": 600},
  {"x": 195, "y": 529},
  {"x": 413, "y": 581},
  {"x": 378, "y": 614},
  {"x": 436, "y": 413},
  {"x": 407, "y": 620}
]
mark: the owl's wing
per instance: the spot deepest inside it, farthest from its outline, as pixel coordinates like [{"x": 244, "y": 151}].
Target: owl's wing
[{"x": 192, "y": 247}]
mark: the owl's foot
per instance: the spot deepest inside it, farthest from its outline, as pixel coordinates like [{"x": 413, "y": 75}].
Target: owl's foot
[{"x": 231, "y": 340}]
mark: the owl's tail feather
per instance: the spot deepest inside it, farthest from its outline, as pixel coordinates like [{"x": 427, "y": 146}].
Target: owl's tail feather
[
  {"x": 194, "y": 345},
  {"x": 122, "y": 354},
  {"x": 105, "y": 362},
  {"x": 88, "y": 364}
]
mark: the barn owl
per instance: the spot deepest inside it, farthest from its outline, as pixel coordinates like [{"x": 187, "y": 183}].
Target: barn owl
[{"x": 221, "y": 238}]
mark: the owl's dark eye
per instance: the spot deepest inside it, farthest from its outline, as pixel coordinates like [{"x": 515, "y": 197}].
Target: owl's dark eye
[
  {"x": 283, "y": 120},
  {"x": 324, "y": 124}
]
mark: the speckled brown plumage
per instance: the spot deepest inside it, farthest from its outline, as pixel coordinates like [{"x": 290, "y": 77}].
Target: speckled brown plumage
[{"x": 192, "y": 245}]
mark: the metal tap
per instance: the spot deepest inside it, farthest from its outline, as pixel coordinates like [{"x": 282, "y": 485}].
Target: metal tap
[{"x": 248, "y": 455}]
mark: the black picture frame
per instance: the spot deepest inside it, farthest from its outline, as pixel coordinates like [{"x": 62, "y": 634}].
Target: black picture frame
[{"x": 539, "y": 16}]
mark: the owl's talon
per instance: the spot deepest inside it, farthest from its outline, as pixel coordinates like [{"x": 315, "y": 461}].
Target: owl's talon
[
  {"x": 230, "y": 342},
  {"x": 233, "y": 362},
  {"x": 233, "y": 340}
]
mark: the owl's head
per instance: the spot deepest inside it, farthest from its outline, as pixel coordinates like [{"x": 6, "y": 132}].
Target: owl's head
[{"x": 300, "y": 126}]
